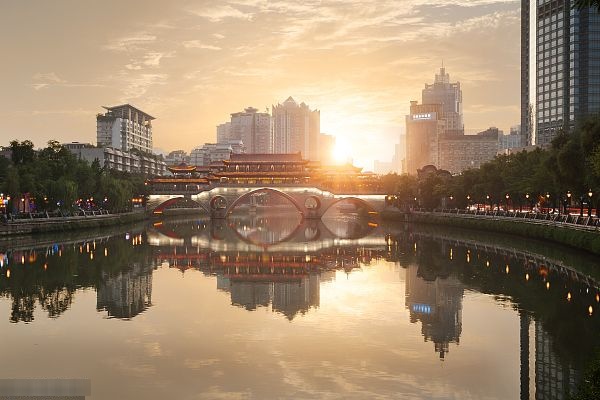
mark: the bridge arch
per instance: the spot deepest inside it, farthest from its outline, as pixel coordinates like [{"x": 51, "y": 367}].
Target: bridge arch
[
  {"x": 235, "y": 203},
  {"x": 356, "y": 200},
  {"x": 172, "y": 201}
]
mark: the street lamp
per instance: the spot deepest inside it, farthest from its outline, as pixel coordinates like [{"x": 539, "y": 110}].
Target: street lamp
[
  {"x": 507, "y": 197},
  {"x": 568, "y": 202},
  {"x": 548, "y": 202},
  {"x": 468, "y": 202},
  {"x": 489, "y": 199},
  {"x": 590, "y": 194}
]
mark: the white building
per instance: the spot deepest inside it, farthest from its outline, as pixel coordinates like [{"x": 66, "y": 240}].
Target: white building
[
  {"x": 125, "y": 128},
  {"x": 211, "y": 153},
  {"x": 296, "y": 128},
  {"x": 119, "y": 160},
  {"x": 224, "y": 132},
  {"x": 253, "y": 129}
]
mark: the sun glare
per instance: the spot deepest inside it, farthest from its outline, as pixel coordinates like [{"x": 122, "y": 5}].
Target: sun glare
[{"x": 341, "y": 151}]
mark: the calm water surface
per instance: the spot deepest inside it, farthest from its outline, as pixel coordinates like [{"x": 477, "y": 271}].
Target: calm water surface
[{"x": 273, "y": 307}]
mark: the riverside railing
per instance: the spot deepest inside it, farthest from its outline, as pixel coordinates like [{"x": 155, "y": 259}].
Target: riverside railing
[{"x": 571, "y": 220}]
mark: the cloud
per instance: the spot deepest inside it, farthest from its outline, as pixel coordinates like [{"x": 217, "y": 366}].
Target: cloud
[
  {"x": 218, "y": 13},
  {"x": 50, "y": 79},
  {"x": 129, "y": 43},
  {"x": 196, "y": 44},
  {"x": 148, "y": 60}
]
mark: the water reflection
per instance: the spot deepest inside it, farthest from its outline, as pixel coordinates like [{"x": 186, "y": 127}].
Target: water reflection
[
  {"x": 274, "y": 261},
  {"x": 283, "y": 265}
]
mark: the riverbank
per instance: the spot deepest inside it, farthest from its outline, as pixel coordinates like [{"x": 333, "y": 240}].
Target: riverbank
[
  {"x": 62, "y": 224},
  {"x": 566, "y": 234}
]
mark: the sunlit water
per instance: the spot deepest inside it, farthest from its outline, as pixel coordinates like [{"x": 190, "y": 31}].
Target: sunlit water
[{"x": 273, "y": 307}]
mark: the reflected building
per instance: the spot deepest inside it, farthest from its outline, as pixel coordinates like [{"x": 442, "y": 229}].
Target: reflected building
[
  {"x": 437, "y": 305},
  {"x": 554, "y": 379},
  {"x": 125, "y": 294}
]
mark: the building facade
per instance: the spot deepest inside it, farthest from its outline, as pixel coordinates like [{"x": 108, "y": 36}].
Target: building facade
[
  {"x": 119, "y": 160},
  {"x": 253, "y": 129},
  {"x": 296, "y": 128},
  {"x": 449, "y": 95},
  {"x": 211, "y": 153},
  {"x": 424, "y": 125},
  {"x": 124, "y": 128},
  {"x": 224, "y": 132},
  {"x": 461, "y": 152},
  {"x": 560, "y": 64}
]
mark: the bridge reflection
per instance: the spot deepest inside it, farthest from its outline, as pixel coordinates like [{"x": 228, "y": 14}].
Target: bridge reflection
[{"x": 277, "y": 260}]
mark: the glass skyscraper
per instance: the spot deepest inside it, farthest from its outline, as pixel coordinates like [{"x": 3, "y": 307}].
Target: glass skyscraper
[{"x": 560, "y": 61}]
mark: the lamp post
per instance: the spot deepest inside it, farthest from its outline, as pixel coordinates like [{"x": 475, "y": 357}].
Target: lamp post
[
  {"x": 468, "y": 202},
  {"x": 568, "y": 202},
  {"x": 528, "y": 203},
  {"x": 548, "y": 202},
  {"x": 590, "y": 194},
  {"x": 507, "y": 197},
  {"x": 451, "y": 201},
  {"x": 489, "y": 199}
]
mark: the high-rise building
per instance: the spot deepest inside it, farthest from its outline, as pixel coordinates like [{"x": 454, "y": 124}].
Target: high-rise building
[
  {"x": 124, "y": 128},
  {"x": 223, "y": 132},
  {"x": 424, "y": 125},
  {"x": 560, "y": 67},
  {"x": 449, "y": 95},
  {"x": 253, "y": 128},
  {"x": 296, "y": 128}
]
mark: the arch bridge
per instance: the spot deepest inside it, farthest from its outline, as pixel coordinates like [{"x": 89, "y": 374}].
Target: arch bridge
[{"x": 220, "y": 201}]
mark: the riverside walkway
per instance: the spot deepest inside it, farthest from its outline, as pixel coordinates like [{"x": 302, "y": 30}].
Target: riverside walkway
[{"x": 574, "y": 221}]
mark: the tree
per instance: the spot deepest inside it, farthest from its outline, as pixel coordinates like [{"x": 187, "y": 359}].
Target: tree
[{"x": 22, "y": 152}]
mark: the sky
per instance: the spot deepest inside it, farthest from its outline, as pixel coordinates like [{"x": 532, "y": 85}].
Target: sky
[{"x": 192, "y": 63}]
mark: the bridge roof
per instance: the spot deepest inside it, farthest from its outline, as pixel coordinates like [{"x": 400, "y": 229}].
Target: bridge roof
[{"x": 292, "y": 158}]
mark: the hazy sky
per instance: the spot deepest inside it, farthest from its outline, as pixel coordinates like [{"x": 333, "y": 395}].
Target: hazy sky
[{"x": 192, "y": 63}]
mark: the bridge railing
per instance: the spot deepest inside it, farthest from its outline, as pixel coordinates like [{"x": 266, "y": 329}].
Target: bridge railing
[{"x": 574, "y": 220}]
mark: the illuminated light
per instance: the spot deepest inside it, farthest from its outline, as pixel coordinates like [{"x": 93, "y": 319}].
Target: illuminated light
[
  {"x": 547, "y": 285},
  {"x": 451, "y": 254},
  {"x": 373, "y": 224},
  {"x": 597, "y": 298},
  {"x": 45, "y": 267},
  {"x": 105, "y": 252},
  {"x": 87, "y": 248},
  {"x": 60, "y": 253},
  {"x": 8, "y": 273},
  {"x": 127, "y": 236},
  {"x": 307, "y": 258},
  {"x": 507, "y": 269},
  {"x": 81, "y": 249},
  {"x": 569, "y": 296},
  {"x": 223, "y": 258},
  {"x": 526, "y": 277},
  {"x": 468, "y": 258},
  {"x": 415, "y": 246},
  {"x": 22, "y": 259},
  {"x": 590, "y": 310},
  {"x": 487, "y": 263},
  {"x": 91, "y": 255},
  {"x": 373, "y": 212}
]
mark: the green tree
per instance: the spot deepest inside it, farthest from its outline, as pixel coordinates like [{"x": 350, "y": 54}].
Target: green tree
[{"x": 22, "y": 152}]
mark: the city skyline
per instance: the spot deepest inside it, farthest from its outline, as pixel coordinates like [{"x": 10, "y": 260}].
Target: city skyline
[{"x": 192, "y": 65}]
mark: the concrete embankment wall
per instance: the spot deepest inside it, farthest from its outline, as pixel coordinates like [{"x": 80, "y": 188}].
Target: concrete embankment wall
[
  {"x": 567, "y": 234},
  {"x": 26, "y": 227}
]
